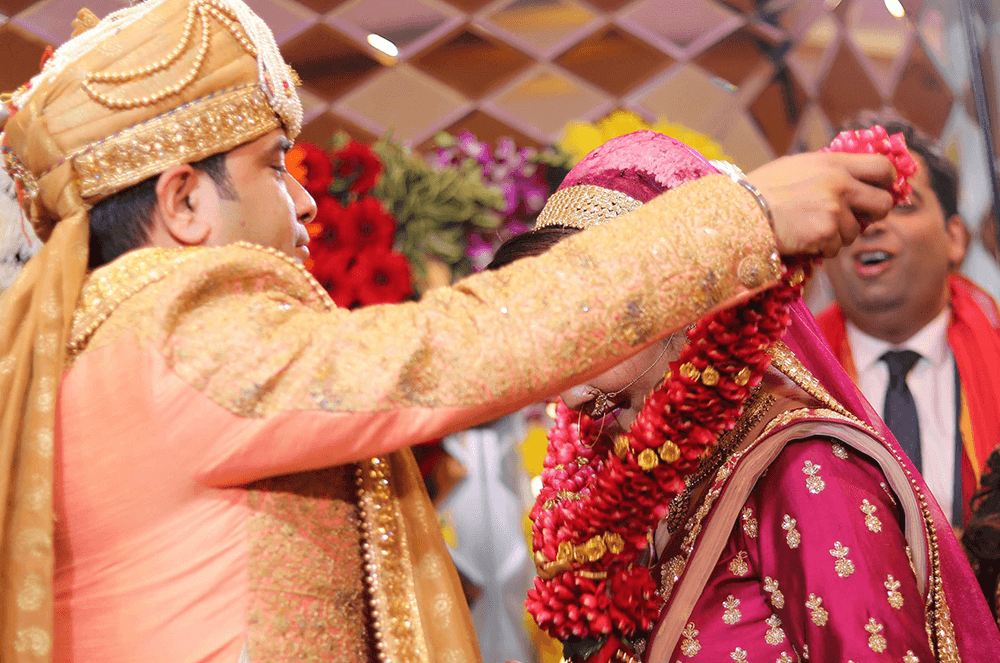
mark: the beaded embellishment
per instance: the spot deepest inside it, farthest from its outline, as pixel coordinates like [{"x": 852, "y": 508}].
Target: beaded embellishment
[
  {"x": 584, "y": 206},
  {"x": 189, "y": 133},
  {"x": 199, "y": 9}
]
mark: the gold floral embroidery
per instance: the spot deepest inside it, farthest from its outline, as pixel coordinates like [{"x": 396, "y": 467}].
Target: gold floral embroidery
[
  {"x": 775, "y": 635},
  {"x": 738, "y": 566},
  {"x": 690, "y": 645},
  {"x": 814, "y": 483},
  {"x": 286, "y": 516},
  {"x": 749, "y": 523},
  {"x": 784, "y": 658},
  {"x": 876, "y": 641},
  {"x": 843, "y": 566},
  {"x": 805, "y": 652},
  {"x": 771, "y": 587},
  {"x": 819, "y": 615},
  {"x": 732, "y": 614},
  {"x": 739, "y": 655},
  {"x": 871, "y": 522},
  {"x": 839, "y": 451},
  {"x": 793, "y": 538},
  {"x": 910, "y": 657},
  {"x": 892, "y": 589},
  {"x": 940, "y": 629}
]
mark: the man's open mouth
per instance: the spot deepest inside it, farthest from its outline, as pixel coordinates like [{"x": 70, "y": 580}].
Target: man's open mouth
[{"x": 872, "y": 258}]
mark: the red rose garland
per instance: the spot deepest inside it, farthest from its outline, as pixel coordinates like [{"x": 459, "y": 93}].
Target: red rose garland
[
  {"x": 600, "y": 497},
  {"x": 877, "y": 140}
]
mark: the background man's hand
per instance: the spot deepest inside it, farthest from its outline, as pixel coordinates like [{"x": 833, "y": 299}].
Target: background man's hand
[{"x": 822, "y": 201}]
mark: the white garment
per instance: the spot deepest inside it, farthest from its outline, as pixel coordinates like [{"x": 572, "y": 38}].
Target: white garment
[{"x": 932, "y": 383}]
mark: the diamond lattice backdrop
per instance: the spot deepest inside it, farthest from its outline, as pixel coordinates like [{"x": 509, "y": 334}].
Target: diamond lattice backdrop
[{"x": 762, "y": 78}]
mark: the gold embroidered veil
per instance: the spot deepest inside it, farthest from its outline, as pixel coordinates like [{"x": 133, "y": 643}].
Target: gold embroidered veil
[{"x": 150, "y": 86}]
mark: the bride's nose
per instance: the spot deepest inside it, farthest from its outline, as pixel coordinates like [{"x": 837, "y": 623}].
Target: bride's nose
[{"x": 576, "y": 397}]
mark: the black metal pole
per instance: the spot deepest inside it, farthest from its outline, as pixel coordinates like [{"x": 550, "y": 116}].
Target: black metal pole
[{"x": 982, "y": 107}]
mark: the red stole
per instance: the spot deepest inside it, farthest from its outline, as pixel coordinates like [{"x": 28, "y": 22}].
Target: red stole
[{"x": 974, "y": 338}]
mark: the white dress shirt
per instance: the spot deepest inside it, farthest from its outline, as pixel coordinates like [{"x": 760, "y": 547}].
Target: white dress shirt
[{"x": 932, "y": 383}]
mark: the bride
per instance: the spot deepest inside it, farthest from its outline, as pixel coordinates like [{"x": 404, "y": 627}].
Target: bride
[{"x": 801, "y": 534}]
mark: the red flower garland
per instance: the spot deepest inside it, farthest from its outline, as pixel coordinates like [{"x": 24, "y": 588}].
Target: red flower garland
[
  {"x": 877, "y": 140},
  {"x": 600, "y": 497}
]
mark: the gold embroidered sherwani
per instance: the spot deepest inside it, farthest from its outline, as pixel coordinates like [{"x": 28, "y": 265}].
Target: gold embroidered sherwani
[{"x": 230, "y": 450}]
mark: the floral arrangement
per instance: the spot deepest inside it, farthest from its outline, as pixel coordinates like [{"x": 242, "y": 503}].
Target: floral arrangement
[
  {"x": 581, "y": 138},
  {"x": 436, "y": 209},
  {"x": 600, "y": 497},
  {"x": 389, "y": 225},
  {"x": 351, "y": 239},
  {"x": 525, "y": 176}
]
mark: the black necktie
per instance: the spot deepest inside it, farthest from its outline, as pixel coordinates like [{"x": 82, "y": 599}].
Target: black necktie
[{"x": 900, "y": 412}]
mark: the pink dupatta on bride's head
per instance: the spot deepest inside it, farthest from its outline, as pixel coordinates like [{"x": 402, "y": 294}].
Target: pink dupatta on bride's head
[{"x": 976, "y": 632}]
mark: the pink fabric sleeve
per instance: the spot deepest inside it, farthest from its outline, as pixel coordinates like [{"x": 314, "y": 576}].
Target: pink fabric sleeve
[{"x": 831, "y": 551}]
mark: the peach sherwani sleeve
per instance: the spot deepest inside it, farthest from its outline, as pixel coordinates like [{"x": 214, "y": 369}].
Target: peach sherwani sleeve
[{"x": 253, "y": 336}]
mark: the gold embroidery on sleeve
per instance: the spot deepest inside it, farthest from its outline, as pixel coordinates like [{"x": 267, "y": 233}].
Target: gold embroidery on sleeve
[
  {"x": 732, "y": 615},
  {"x": 738, "y": 566},
  {"x": 793, "y": 538},
  {"x": 739, "y": 655},
  {"x": 814, "y": 483},
  {"x": 771, "y": 587},
  {"x": 876, "y": 641},
  {"x": 749, "y": 523},
  {"x": 819, "y": 615},
  {"x": 805, "y": 652},
  {"x": 843, "y": 566},
  {"x": 839, "y": 451},
  {"x": 909, "y": 657},
  {"x": 690, "y": 645},
  {"x": 892, "y": 589},
  {"x": 784, "y": 658},
  {"x": 775, "y": 635},
  {"x": 871, "y": 521}
]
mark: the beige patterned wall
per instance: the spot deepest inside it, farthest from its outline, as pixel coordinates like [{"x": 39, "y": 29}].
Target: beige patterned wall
[{"x": 760, "y": 77}]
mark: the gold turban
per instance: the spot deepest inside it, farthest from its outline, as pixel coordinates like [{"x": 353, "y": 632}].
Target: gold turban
[{"x": 150, "y": 86}]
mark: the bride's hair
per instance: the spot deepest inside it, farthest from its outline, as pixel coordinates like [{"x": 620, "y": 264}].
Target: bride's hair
[{"x": 528, "y": 244}]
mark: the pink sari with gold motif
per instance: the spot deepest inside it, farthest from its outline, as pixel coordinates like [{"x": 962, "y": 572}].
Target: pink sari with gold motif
[{"x": 817, "y": 540}]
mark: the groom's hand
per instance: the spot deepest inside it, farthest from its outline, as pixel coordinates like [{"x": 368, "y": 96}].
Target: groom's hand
[{"x": 821, "y": 202}]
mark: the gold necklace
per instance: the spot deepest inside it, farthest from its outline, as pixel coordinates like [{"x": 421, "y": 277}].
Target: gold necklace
[{"x": 758, "y": 404}]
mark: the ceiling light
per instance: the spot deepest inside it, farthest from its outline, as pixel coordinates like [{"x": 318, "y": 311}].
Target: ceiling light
[
  {"x": 895, "y": 8},
  {"x": 382, "y": 44}
]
